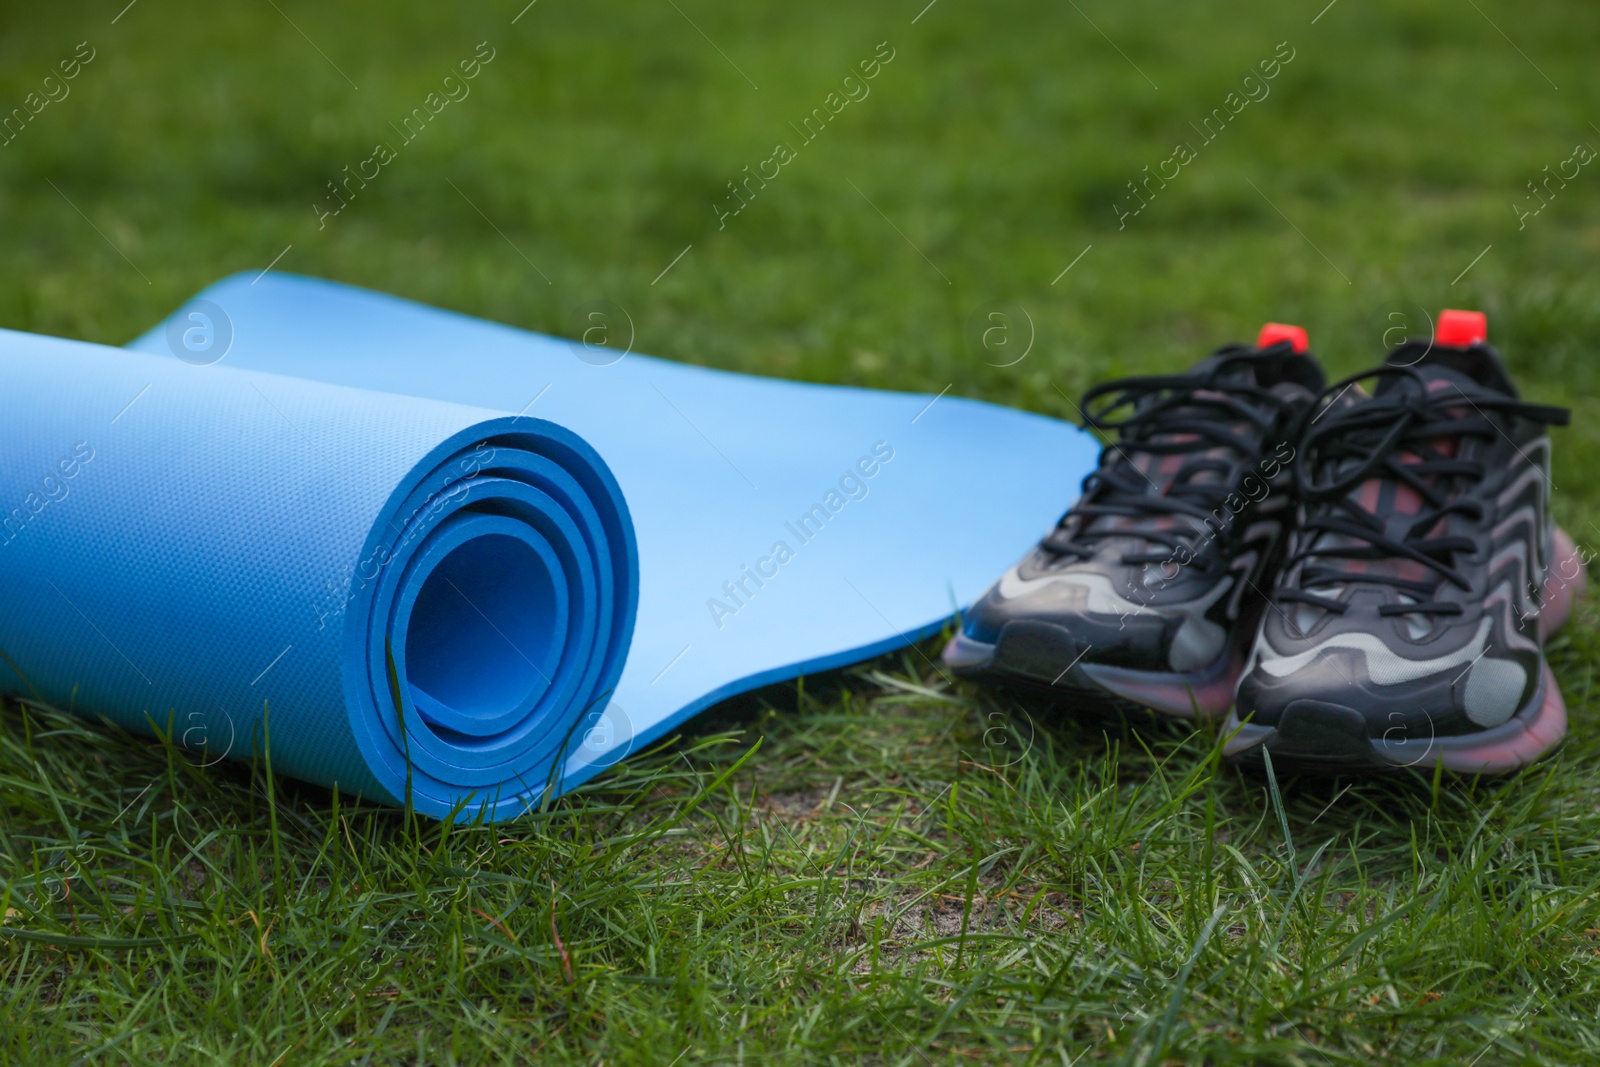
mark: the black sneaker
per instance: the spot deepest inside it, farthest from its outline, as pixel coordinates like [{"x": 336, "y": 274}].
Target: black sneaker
[
  {"x": 1145, "y": 594},
  {"x": 1407, "y": 626}
]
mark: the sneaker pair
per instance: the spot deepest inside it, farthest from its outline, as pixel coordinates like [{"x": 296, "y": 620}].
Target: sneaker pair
[{"x": 1360, "y": 577}]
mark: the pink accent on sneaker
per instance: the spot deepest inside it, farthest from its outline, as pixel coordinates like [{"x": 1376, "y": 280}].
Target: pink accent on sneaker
[
  {"x": 1542, "y": 733},
  {"x": 1180, "y": 696},
  {"x": 1564, "y": 583}
]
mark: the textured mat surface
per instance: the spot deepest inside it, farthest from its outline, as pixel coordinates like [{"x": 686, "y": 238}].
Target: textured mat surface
[
  {"x": 236, "y": 557},
  {"x": 600, "y": 545}
]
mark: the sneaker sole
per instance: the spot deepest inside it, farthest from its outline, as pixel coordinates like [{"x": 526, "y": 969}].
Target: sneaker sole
[
  {"x": 1318, "y": 737},
  {"x": 1092, "y": 687}
]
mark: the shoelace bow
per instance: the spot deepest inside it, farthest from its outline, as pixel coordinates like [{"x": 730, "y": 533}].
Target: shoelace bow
[
  {"x": 1190, "y": 414},
  {"x": 1346, "y": 447}
]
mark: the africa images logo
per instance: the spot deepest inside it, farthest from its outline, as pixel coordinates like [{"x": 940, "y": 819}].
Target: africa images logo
[
  {"x": 1255, "y": 89},
  {"x": 743, "y": 194},
  {"x": 200, "y": 333},
  {"x": 852, "y": 485}
]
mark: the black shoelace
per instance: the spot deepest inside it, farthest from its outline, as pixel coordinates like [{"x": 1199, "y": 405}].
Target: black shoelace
[
  {"x": 1345, "y": 447},
  {"x": 1166, "y": 415}
]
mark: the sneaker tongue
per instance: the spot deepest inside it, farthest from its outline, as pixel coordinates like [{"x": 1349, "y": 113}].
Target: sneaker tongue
[
  {"x": 1439, "y": 377},
  {"x": 1478, "y": 365},
  {"x": 1224, "y": 369}
]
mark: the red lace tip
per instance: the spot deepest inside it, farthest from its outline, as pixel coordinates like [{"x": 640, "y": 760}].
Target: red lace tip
[
  {"x": 1274, "y": 332},
  {"x": 1461, "y": 329}
]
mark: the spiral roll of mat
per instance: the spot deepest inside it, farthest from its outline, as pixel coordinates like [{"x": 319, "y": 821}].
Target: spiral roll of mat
[{"x": 260, "y": 565}]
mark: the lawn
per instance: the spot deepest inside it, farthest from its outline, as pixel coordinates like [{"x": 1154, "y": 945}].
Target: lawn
[{"x": 878, "y": 865}]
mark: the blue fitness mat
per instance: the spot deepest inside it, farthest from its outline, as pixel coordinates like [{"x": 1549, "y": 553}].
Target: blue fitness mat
[{"x": 563, "y": 550}]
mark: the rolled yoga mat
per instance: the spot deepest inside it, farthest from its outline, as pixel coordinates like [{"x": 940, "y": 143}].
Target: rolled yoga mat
[
  {"x": 564, "y": 553},
  {"x": 236, "y": 559}
]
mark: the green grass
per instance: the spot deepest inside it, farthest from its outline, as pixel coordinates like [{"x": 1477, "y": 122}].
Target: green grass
[{"x": 881, "y": 866}]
